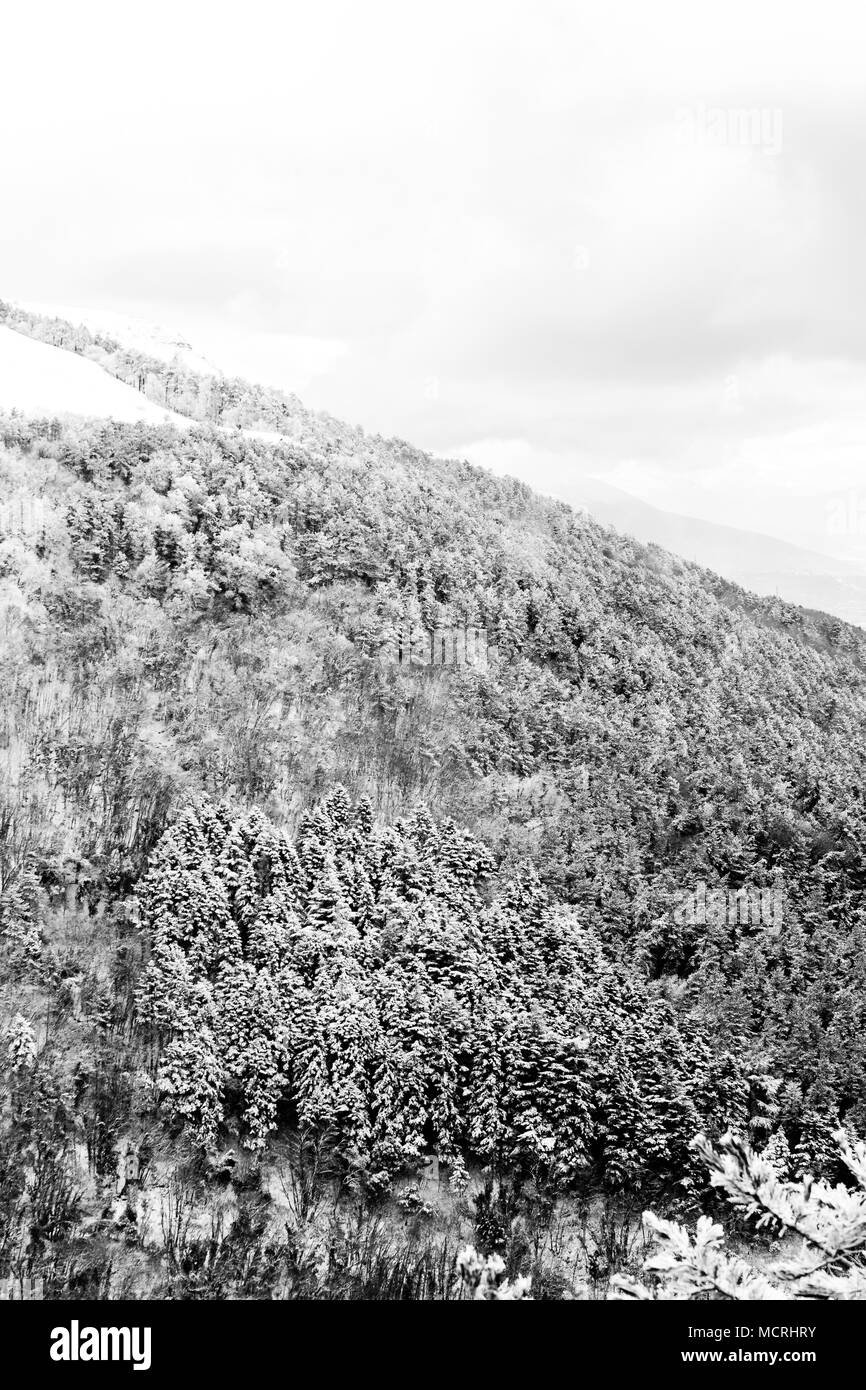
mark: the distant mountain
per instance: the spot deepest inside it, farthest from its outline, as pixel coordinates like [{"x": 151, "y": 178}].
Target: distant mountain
[{"x": 758, "y": 562}]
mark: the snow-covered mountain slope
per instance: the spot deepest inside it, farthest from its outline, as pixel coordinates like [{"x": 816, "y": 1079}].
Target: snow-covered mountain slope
[
  {"x": 140, "y": 335},
  {"x": 41, "y": 380},
  {"x": 763, "y": 564}
]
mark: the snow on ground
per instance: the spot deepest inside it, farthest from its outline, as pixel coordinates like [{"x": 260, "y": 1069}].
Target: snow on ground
[
  {"x": 137, "y": 334},
  {"x": 38, "y": 379}
]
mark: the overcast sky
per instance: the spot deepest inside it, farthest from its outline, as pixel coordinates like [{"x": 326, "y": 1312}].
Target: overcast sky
[{"x": 625, "y": 240}]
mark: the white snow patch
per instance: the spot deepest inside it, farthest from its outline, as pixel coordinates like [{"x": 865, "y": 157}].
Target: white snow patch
[
  {"x": 38, "y": 379},
  {"x": 131, "y": 332}
]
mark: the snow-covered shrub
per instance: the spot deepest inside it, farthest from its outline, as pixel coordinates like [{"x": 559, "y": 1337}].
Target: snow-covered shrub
[
  {"x": 829, "y": 1223},
  {"x": 484, "y": 1277}
]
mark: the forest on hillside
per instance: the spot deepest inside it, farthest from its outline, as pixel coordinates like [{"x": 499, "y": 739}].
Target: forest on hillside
[{"x": 296, "y": 925}]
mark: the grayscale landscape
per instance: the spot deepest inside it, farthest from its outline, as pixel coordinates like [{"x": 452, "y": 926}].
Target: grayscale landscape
[{"x": 432, "y": 659}]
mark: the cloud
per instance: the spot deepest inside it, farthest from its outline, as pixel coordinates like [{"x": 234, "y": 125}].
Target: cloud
[{"x": 624, "y": 235}]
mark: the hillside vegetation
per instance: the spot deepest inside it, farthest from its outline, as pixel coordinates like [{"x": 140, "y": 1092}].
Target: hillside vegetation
[{"x": 257, "y": 880}]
